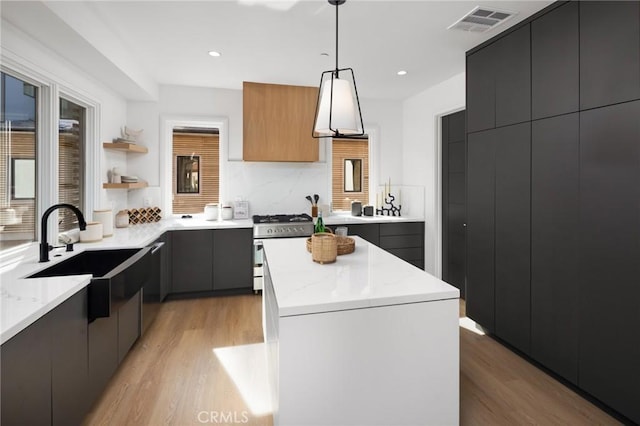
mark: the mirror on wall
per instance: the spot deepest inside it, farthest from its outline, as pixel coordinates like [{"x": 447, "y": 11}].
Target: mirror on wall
[
  {"x": 188, "y": 178},
  {"x": 353, "y": 175}
]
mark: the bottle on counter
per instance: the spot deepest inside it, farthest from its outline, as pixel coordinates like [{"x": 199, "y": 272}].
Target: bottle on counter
[{"x": 319, "y": 224}]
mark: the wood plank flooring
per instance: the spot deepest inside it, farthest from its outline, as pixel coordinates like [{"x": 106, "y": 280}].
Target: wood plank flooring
[{"x": 172, "y": 376}]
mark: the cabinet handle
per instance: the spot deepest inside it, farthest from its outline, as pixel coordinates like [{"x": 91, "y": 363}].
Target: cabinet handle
[{"x": 156, "y": 247}]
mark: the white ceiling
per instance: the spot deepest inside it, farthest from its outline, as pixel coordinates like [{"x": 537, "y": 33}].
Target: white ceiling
[{"x": 133, "y": 46}]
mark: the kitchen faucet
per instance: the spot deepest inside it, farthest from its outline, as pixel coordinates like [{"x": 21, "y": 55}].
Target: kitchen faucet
[{"x": 44, "y": 245}]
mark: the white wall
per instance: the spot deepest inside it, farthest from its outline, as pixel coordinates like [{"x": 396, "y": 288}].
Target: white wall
[
  {"x": 421, "y": 154},
  {"x": 269, "y": 187},
  {"x": 21, "y": 53}
]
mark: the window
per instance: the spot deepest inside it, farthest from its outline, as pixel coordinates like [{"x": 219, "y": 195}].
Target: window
[
  {"x": 70, "y": 161},
  {"x": 350, "y": 174},
  {"x": 18, "y": 124},
  {"x": 196, "y": 169}
]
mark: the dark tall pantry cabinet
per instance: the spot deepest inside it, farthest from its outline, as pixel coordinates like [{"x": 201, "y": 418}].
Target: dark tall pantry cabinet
[{"x": 553, "y": 194}]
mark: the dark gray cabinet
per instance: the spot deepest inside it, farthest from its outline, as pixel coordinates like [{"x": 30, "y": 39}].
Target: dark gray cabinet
[
  {"x": 369, "y": 232},
  {"x": 480, "y": 292},
  {"x": 232, "y": 259},
  {"x": 555, "y": 62},
  {"x": 103, "y": 353},
  {"x": 44, "y": 368},
  {"x": 610, "y": 248},
  {"x": 192, "y": 259},
  {"x": 512, "y": 231},
  {"x": 167, "y": 264},
  {"x": 129, "y": 325},
  {"x": 481, "y": 97},
  {"x": 609, "y": 52},
  {"x": 555, "y": 195},
  {"x": 404, "y": 240},
  {"x": 70, "y": 361},
  {"x": 499, "y": 82},
  {"x": 26, "y": 376},
  {"x": 513, "y": 77}
]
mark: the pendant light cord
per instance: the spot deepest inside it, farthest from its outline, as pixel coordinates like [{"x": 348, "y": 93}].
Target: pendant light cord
[{"x": 337, "y": 5}]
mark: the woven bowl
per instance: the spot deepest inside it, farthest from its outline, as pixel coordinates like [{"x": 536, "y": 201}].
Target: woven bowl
[{"x": 345, "y": 245}]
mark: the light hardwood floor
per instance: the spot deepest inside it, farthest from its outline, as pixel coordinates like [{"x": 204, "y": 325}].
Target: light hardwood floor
[{"x": 172, "y": 376}]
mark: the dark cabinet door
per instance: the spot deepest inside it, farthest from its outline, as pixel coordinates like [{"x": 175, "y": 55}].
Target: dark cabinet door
[
  {"x": 192, "y": 259},
  {"x": 369, "y": 232},
  {"x": 609, "y": 258},
  {"x": 555, "y": 62},
  {"x": 129, "y": 325},
  {"x": 166, "y": 266},
  {"x": 512, "y": 235},
  {"x": 103, "y": 353},
  {"x": 70, "y": 360},
  {"x": 454, "y": 195},
  {"x": 26, "y": 376},
  {"x": 480, "y": 293},
  {"x": 481, "y": 102},
  {"x": 232, "y": 259},
  {"x": 609, "y": 52},
  {"x": 513, "y": 77},
  {"x": 555, "y": 186}
]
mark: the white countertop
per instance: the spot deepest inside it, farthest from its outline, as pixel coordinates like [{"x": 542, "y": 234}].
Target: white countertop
[
  {"x": 23, "y": 301},
  {"x": 346, "y": 219},
  {"x": 368, "y": 277}
]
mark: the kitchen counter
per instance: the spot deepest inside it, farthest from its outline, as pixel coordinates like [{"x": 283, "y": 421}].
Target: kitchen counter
[
  {"x": 24, "y": 301},
  {"x": 346, "y": 219},
  {"x": 369, "y": 339},
  {"x": 368, "y": 277}
]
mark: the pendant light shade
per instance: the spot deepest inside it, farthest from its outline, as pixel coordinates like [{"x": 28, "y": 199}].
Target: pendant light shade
[{"x": 338, "y": 108}]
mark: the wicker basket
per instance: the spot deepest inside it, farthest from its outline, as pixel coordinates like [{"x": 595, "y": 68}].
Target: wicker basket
[
  {"x": 345, "y": 245},
  {"x": 324, "y": 247}
]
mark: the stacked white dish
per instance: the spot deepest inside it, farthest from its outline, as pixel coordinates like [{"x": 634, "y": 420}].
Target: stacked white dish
[{"x": 129, "y": 179}]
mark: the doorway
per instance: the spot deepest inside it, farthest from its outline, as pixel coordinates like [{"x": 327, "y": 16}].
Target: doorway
[{"x": 454, "y": 200}]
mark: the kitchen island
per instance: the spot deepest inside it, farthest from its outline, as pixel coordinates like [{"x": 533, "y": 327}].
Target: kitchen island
[{"x": 369, "y": 339}]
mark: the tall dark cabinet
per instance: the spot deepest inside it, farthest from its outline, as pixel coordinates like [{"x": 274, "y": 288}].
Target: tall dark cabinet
[
  {"x": 610, "y": 255},
  {"x": 553, "y": 194},
  {"x": 555, "y": 186}
]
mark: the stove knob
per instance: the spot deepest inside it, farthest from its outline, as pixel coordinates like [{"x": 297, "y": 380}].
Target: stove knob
[{"x": 269, "y": 231}]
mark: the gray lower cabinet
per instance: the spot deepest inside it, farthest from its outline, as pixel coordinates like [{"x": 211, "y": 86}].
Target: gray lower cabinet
[
  {"x": 211, "y": 260},
  {"x": 192, "y": 259},
  {"x": 404, "y": 240},
  {"x": 232, "y": 259},
  {"x": 103, "y": 353},
  {"x": 128, "y": 325},
  {"x": 366, "y": 231},
  {"x": 44, "y": 368}
]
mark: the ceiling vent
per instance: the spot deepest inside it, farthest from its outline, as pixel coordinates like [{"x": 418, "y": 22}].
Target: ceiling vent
[{"x": 481, "y": 19}]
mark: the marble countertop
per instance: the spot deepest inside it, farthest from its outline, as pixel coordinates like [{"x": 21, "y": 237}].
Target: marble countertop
[
  {"x": 23, "y": 301},
  {"x": 368, "y": 277},
  {"x": 346, "y": 219}
]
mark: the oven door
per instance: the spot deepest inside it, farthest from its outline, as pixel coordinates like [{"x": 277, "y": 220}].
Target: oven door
[{"x": 258, "y": 269}]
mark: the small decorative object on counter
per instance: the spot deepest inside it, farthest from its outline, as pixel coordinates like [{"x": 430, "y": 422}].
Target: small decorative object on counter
[
  {"x": 144, "y": 215},
  {"x": 227, "y": 212},
  {"x": 319, "y": 228},
  {"x": 92, "y": 233},
  {"x": 241, "y": 209},
  {"x": 122, "y": 219},
  {"x": 324, "y": 247},
  {"x": 105, "y": 217},
  {"x": 356, "y": 208},
  {"x": 211, "y": 211},
  {"x": 387, "y": 199},
  {"x": 367, "y": 210}
]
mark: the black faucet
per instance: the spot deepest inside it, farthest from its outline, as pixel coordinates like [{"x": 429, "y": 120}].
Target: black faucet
[{"x": 44, "y": 245}]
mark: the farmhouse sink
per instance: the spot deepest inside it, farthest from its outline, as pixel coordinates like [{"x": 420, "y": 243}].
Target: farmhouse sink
[{"x": 117, "y": 276}]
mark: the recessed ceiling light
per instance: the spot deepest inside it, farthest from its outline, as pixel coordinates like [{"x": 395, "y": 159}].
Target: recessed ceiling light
[
  {"x": 214, "y": 53},
  {"x": 402, "y": 72}
]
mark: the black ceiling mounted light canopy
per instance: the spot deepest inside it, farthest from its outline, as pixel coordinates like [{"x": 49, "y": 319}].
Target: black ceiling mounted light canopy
[{"x": 338, "y": 108}]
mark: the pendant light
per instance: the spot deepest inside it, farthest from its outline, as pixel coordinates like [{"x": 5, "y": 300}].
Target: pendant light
[{"x": 338, "y": 107}]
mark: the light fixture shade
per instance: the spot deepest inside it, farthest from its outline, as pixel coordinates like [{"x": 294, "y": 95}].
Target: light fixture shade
[{"x": 338, "y": 110}]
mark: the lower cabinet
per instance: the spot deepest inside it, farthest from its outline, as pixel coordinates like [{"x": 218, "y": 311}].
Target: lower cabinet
[
  {"x": 404, "y": 240},
  {"x": 44, "y": 374},
  {"x": 103, "y": 353},
  {"x": 128, "y": 325},
  {"x": 366, "y": 231},
  {"x": 211, "y": 260},
  {"x": 232, "y": 259}
]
